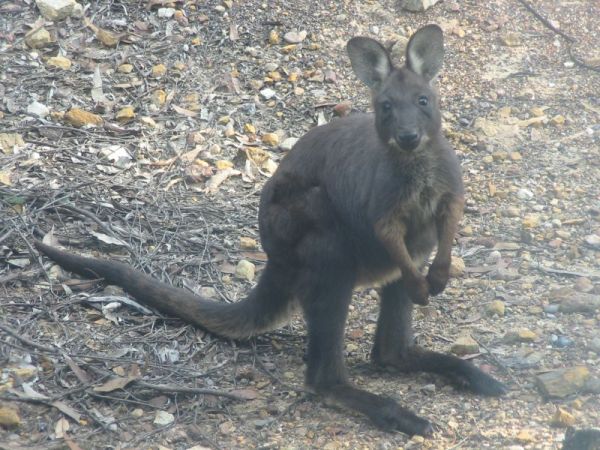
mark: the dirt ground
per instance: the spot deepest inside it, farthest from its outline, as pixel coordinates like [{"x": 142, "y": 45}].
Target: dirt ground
[{"x": 172, "y": 187}]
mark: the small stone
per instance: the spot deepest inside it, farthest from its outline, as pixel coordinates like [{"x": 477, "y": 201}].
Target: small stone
[
  {"x": 294, "y": 37},
  {"x": 511, "y": 39},
  {"x": 464, "y": 345},
  {"x": 125, "y": 68},
  {"x": 59, "y": 62},
  {"x": 9, "y": 417},
  {"x": 125, "y": 114},
  {"x": 55, "y": 10},
  {"x": 166, "y": 13},
  {"x": 159, "y": 97},
  {"x": 457, "y": 267},
  {"x": 496, "y": 308},
  {"x": 515, "y": 156},
  {"x": 245, "y": 270},
  {"x": 418, "y": 5},
  {"x": 137, "y": 413},
  {"x": 351, "y": 347},
  {"x": 500, "y": 155},
  {"x": 493, "y": 257},
  {"x": 38, "y": 38},
  {"x": 79, "y": 118},
  {"x": 488, "y": 159},
  {"x": 562, "y": 418},
  {"x": 267, "y": 93},
  {"x": 524, "y": 436},
  {"x": 274, "y": 38},
  {"x": 288, "y": 143},
  {"x": 522, "y": 335},
  {"x": 270, "y": 139},
  {"x": 583, "y": 284},
  {"x": 163, "y": 418},
  {"x": 247, "y": 243},
  {"x": 531, "y": 221},
  {"x": 208, "y": 292},
  {"x": 38, "y": 109},
  {"x": 249, "y": 128},
  {"x": 512, "y": 211},
  {"x": 159, "y": 70},
  {"x": 558, "y": 120},
  {"x": 288, "y": 48},
  {"x": 563, "y": 382},
  {"x": 537, "y": 111},
  {"x": 593, "y": 240}
]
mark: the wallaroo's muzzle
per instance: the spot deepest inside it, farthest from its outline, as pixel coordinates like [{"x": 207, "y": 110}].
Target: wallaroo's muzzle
[{"x": 408, "y": 140}]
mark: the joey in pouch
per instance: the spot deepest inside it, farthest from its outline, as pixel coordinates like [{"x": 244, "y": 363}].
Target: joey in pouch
[{"x": 360, "y": 201}]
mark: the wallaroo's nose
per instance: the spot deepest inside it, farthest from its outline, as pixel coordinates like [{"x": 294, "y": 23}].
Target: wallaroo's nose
[{"x": 408, "y": 139}]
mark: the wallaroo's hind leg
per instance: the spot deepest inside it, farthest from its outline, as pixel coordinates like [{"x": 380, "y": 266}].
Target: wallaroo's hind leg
[
  {"x": 394, "y": 347},
  {"x": 325, "y": 303}
]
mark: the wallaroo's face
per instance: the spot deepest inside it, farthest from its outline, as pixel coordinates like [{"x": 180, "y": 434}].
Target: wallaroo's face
[{"x": 406, "y": 112}]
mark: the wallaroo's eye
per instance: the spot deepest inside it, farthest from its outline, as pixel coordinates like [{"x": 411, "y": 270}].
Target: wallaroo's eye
[
  {"x": 386, "y": 106},
  {"x": 423, "y": 100}
]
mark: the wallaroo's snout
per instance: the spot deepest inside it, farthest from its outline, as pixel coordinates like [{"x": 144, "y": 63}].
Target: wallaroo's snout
[{"x": 408, "y": 140}]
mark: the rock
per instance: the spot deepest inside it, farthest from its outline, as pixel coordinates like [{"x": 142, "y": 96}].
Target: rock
[
  {"x": 583, "y": 284},
  {"x": 9, "y": 417},
  {"x": 125, "y": 114},
  {"x": 38, "y": 109},
  {"x": 593, "y": 240},
  {"x": 8, "y": 141},
  {"x": 78, "y": 118},
  {"x": 493, "y": 257},
  {"x": 163, "y": 418},
  {"x": 511, "y": 39},
  {"x": 515, "y": 156},
  {"x": 268, "y": 93},
  {"x": 274, "y": 38},
  {"x": 588, "y": 439},
  {"x": 288, "y": 143},
  {"x": 580, "y": 302},
  {"x": 288, "y": 48},
  {"x": 270, "y": 139},
  {"x": 457, "y": 267},
  {"x": 418, "y": 5},
  {"x": 125, "y": 68},
  {"x": 247, "y": 243},
  {"x": 531, "y": 221},
  {"x": 557, "y": 120},
  {"x": 158, "y": 97},
  {"x": 59, "y": 62},
  {"x": 524, "y": 194},
  {"x": 38, "y": 38},
  {"x": 524, "y": 436},
  {"x": 464, "y": 345},
  {"x": 563, "y": 382},
  {"x": 562, "y": 418},
  {"x": 56, "y": 9},
  {"x": 159, "y": 70},
  {"x": 208, "y": 292},
  {"x": 522, "y": 335},
  {"x": 496, "y": 308},
  {"x": 245, "y": 270},
  {"x": 294, "y": 36},
  {"x": 166, "y": 13}
]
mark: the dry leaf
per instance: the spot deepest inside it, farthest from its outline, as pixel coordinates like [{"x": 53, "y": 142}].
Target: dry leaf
[
  {"x": 115, "y": 383},
  {"x": 5, "y": 178},
  {"x": 216, "y": 180},
  {"x": 183, "y": 111},
  {"x": 61, "y": 427}
]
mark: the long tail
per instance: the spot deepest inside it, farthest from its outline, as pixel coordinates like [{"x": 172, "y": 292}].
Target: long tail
[{"x": 266, "y": 306}]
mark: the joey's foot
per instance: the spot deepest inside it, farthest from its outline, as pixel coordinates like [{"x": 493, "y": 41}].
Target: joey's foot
[
  {"x": 417, "y": 289},
  {"x": 392, "y": 417},
  {"x": 437, "y": 277}
]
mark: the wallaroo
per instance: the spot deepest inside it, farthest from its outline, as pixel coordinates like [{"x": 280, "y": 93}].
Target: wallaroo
[{"x": 360, "y": 201}]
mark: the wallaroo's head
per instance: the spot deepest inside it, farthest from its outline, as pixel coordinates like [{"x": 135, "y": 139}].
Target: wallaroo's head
[{"x": 406, "y": 110}]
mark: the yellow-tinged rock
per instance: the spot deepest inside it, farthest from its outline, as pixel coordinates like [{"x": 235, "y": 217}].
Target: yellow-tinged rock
[
  {"x": 270, "y": 139},
  {"x": 223, "y": 164},
  {"x": 531, "y": 221},
  {"x": 536, "y": 111},
  {"x": 125, "y": 114},
  {"x": 38, "y": 38},
  {"x": 159, "y": 97},
  {"x": 257, "y": 155},
  {"x": 558, "y": 120},
  {"x": 245, "y": 270},
  {"x": 496, "y": 308},
  {"x": 179, "y": 65},
  {"x": 9, "y": 417},
  {"x": 148, "y": 121},
  {"x": 515, "y": 156},
  {"x": 196, "y": 41},
  {"x": 274, "y": 76},
  {"x": 249, "y": 128},
  {"x": 464, "y": 345},
  {"x": 562, "y": 418},
  {"x": 224, "y": 120},
  {"x": 457, "y": 267},
  {"x": 229, "y": 131},
  {"x": 10, "y": 140},
  {"x": 247, "y": 243},
  {"x": 159, "y": 70},
  {"x": 504, "y": 112},
  {"x": 293, "y": 77},
  {"x": 79, "y": 118},
  {"x": 288, "y": 48},
  {"x": 524, "y": 436},
  {"x": 60, "y": 62},
  {"x": 274, "y": 38},
  {"x": 108, "y": 38},
  {"x": 125, "y": 68}
]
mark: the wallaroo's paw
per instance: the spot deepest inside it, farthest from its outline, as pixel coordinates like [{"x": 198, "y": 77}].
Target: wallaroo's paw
[
  {"x": 393, "y": 417},
  {"x": 437, "y": 277}
]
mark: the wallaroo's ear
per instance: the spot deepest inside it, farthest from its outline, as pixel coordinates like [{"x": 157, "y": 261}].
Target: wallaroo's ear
[
  {"x": 425, "y": 51},
  {"x": 370, "y": 60}
]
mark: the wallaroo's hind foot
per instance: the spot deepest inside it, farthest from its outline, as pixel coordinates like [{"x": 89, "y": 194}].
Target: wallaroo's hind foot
[{"x": 383, "y": 411}]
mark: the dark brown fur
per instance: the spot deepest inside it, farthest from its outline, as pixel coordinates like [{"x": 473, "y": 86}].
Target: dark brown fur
[{"x": 362, "y": 200}]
